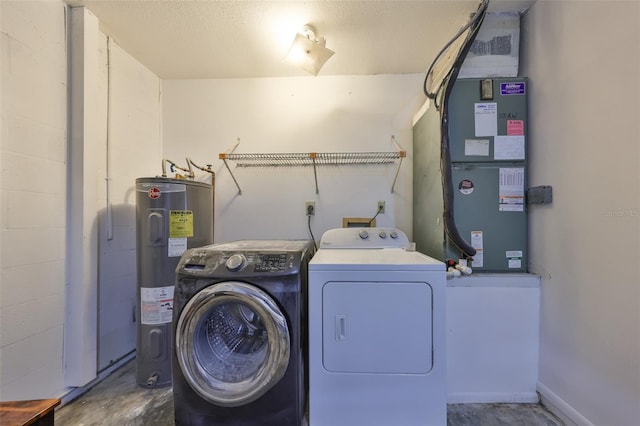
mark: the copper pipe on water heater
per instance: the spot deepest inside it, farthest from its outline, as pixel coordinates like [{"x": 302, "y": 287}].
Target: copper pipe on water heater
[
  {"x": 213, "y": 188},
  {"x": 188, "y": 170}
]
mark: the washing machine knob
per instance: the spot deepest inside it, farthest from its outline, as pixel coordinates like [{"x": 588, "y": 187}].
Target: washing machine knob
[
  {"x": 236, "y": 262},
  {"x": 393, "y": 234},
  {"x": 382, "y": 235},
  {"x": 363, "y": 234}
]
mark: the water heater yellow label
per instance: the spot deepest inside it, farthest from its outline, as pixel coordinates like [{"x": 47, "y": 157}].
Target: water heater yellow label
[{"x": 180, "y": 223}]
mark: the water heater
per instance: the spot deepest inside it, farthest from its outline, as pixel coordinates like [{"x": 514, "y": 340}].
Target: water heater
[{"x": 172, "y": 215}]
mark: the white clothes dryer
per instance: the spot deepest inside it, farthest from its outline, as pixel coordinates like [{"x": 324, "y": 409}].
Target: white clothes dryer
[{"x": 376, "y": 331}]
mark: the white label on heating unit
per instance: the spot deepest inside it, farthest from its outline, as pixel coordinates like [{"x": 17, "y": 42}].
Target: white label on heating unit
[
  {"x": 477, "y": 243},
  {"x": 486, "y": 118},
  {"x": 476, "y": 147},
  {"x": 511, "y": 191},
  {"x": 515, "y": 263},
  {"x": 508, "y": 148}
]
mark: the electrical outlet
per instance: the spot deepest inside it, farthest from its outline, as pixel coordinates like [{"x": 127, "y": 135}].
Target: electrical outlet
[
  {"x": 380, "y": 207},
  {"x": 310, "y": 208}
]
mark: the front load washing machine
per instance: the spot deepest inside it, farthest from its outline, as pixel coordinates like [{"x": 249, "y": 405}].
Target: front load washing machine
[
  {"x": 376, "y": 332},
  {"x": 239, "y": 334}
]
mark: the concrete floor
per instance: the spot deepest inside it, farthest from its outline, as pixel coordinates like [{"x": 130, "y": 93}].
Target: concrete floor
[{"x": 118, "y": 400}]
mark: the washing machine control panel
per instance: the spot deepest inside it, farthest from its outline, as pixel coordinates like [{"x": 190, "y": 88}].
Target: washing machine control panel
[
  {"x": 245, "y": 262},
  {"x": 271, "y": 262},
  {"x": 236, "y": 262},
  {"x": 257, "y": 262},
  {"x": 245, "y": 258}
]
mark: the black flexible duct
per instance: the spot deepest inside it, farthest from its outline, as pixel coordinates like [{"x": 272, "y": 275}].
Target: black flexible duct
[
  {"x": 475, "y": 22},
  {"x": 445, "y": 156}
]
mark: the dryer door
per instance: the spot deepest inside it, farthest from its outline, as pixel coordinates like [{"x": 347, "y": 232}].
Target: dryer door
[{"x": 232, "y": 343}]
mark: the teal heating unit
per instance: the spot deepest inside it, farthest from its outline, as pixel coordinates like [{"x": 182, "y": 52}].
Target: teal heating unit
[{"x": 487, "y": 125}]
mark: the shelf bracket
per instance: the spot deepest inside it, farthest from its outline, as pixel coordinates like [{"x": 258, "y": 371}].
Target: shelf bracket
[
  {"x": 401, "y": 154},
  {"x": 223, "y": 157},
  {"x": 313, "y": 156}
]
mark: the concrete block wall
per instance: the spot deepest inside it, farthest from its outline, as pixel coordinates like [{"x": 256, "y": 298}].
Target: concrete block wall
[
  {"x": 131, "y": 112},
  {"x": 33, "y": 198},
  {"x": 33, "y": 189}
]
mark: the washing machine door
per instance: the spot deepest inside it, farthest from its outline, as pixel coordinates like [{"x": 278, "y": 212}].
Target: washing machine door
[{"x": 232, "y": 343}]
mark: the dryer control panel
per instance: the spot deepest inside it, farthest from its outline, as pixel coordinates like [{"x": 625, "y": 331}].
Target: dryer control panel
[{"x": 364, "y": 238}]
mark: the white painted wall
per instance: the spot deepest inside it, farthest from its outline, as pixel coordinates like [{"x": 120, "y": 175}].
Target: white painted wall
[
  {"x": 202, "y": 118},
  {"x": 583, "y": 59},
  {"x": 33, "y": 188},
  {"x": 33, "y": 198},
  {"x": 81, "y": 295},
  {"x": 130, "y": 111}
]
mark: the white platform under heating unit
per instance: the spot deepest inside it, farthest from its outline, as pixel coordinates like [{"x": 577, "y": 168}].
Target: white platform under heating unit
[{"x": 376, "y": 332}]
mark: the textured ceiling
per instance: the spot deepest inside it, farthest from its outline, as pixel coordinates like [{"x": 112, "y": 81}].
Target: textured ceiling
[{"x": 182, "y": 39}]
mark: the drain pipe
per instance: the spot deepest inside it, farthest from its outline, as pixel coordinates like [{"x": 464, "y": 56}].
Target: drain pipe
[
  {"x": 152, "y": 380},
  {"x": 164, "y": 167},
  {"x": 107, "y": 177},
  {"x": 207, "y": 169},
  {"x": 188, "y": 170},
  {"x": 213, "y": 186}
]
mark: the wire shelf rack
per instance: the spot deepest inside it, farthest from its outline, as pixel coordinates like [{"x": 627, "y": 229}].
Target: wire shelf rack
[{"x": 313, "y": 159}]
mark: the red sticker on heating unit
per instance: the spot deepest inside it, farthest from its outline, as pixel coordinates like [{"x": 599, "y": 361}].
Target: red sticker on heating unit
[
  {"x": 465, "y": 187},
  {"x": 515, "y": 127}
]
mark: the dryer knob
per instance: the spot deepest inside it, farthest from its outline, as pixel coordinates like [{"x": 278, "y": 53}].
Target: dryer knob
[
  {"x": 363, "y": 234},
  {"x": 382, "y": 235},
  {"x": 393, "y": 234},
  {"x": 236, "y": 262}
]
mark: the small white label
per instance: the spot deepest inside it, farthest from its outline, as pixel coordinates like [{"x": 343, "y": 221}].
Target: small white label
[
  {"x": 515, "y": 263},
  {"x": 514, "y": 253},
  {"x": 177, "y": 247},
  {"x": 486, "y": 119},
  {"x": 156, "y": 305},
  {"x": 476, "y": 147},
  {"x": 508, "y": 148},
  {"x": 477, "y": 243}
]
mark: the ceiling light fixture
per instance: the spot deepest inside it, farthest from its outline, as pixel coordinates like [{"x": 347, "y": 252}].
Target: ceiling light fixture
[{"x": 308, "y": 52}]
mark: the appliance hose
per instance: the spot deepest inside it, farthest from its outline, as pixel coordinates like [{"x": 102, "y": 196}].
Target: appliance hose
[{"x": 445, "y": 155}]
